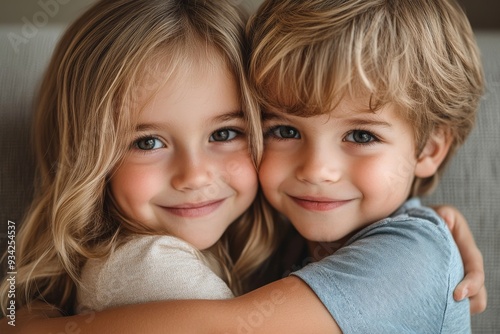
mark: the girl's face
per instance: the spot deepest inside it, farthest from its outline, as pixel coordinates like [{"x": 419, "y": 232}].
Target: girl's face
[{"x": 188, "y": 171}]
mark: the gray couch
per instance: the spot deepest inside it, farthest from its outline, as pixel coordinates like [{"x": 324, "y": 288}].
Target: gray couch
[{"x": 472, "y": 182}]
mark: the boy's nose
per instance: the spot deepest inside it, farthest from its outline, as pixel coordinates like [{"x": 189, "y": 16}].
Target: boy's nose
[{"x": 319, "y": 166}]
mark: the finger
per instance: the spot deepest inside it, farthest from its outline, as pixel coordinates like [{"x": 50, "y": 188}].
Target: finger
[
  {"x": 479, "y": 302},
  {"x": 470, "y": 286}
]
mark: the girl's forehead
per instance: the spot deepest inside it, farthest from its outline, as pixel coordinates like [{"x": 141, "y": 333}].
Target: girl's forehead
[
  {"x": 166, "y": 64},
  {"x": 199, "y": 91},
  {"x": 165, "y": 69}
]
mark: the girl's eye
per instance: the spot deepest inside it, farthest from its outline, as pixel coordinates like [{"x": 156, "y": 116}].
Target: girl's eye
[
  {"x": 360, "y": 137},
  {"x": 223, "y": 135},
  {"x": 284, "y": 132},
  {"x": 148, "y": 143}
]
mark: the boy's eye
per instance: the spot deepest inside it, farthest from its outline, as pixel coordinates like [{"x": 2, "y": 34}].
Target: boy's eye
[
  {"x": 148, "y": 143},
  {"x": 285, "y": 132},
  {"x": 360, "y": 137},
  {"x": 223, "y": 135}
]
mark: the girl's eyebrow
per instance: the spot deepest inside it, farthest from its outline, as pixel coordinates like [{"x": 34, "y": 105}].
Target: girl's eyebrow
[
  {"x": 231, "y": 115},
  {"x": 144, "y": 127}
]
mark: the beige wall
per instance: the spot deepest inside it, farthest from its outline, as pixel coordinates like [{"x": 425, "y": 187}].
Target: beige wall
[
  {"x": 482, "y": 13},
  {"x": 43, "y": 12}
]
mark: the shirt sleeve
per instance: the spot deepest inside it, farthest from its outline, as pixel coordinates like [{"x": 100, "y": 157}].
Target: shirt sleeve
[
  {"x": 149, "y": 269},
  {"x": 394, "y": 278}
]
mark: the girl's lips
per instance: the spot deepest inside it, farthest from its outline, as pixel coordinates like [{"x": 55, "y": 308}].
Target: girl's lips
[
  {"x": 194, "y": 210},
  {"x": 318, "y": 204}
]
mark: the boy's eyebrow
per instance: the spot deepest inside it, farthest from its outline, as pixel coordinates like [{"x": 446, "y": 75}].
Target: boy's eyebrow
[
  {"x": 269, "y": 115},
  {"x": 363, "y": 121},
  {"x": 236, "y": 114}
]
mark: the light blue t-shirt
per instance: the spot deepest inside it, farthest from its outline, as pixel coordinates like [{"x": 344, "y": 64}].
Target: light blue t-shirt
[{"x": 394, "y": 276}]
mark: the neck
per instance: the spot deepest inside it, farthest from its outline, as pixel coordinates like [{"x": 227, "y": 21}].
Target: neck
[{"x": 319, "y": 249}]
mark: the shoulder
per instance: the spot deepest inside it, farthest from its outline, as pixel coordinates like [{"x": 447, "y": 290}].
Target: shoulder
[
  {"x": 154, "y": 243},
  {"x": 411, "y": 227},
  {"x": 143, "y": 252},
  {"x": 148, "y": 255},
  {"x": 139, "y": 258},
  {"x": 148, "y": 268}
]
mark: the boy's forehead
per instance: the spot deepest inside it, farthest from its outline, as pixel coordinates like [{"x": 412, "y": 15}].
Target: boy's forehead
[{"x": 347, "y": 105}]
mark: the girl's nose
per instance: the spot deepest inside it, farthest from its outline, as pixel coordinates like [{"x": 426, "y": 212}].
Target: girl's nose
[{"x": 193, "y": 172}]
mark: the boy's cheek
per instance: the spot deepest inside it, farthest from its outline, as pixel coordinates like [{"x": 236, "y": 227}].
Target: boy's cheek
[
  {"x": 384, "y": 189},
  {"x": 266, "y": 178},
  {"x": 271, "y": 174}
]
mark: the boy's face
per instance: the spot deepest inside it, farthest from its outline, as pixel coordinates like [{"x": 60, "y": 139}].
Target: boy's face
[{"x": 336, "y": 173}]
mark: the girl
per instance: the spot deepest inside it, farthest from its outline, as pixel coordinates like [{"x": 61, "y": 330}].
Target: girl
[{"x": 145, "y": 178}]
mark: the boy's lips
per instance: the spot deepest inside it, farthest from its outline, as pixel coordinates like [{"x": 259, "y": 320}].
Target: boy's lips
[
  {"x": 318, "y": 203},
  {"x": 193, "y": 210}
]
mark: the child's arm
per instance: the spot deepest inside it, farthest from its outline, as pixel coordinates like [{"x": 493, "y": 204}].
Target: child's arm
[
  {"x": 152, "y": 314},
  {"x": 37, "y": 311},
  {"x": 285, "y": 306},
  {"x": 288, "y": 305},
  {"x": 472, "y": 285}
]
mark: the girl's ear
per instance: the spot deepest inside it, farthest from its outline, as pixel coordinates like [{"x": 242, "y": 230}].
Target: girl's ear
[{"x": 433, "y": 154}]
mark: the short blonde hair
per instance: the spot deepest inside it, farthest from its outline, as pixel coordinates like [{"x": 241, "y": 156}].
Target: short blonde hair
[
  {"x": 86, "y": 104},
  {"x": 420, "y": 55}
]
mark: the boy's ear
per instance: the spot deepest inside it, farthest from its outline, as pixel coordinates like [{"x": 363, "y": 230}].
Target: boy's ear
[{"x": 433, "y": 154}]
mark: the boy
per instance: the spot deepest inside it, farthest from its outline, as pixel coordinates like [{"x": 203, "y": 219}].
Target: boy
[{"x": 364, "y": 102}]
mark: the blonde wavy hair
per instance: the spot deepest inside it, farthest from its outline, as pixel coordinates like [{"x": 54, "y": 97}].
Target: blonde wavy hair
[
  {"x": 420, "y": 55},
  {"x": 85, "y": 108}
]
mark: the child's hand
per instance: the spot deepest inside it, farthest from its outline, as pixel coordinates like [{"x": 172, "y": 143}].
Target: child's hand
[{"x": 472, "y": 285}]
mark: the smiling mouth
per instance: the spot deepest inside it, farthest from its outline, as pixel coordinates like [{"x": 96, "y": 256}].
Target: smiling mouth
[
  {"x": 195, "y": 209},
  {"x": 318, "y": 204}
]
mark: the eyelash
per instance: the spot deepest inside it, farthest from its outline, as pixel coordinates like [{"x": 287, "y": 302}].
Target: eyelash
[
  {"x": 135, "y": 143},
  {"x": 238, "y": 133},
  {"x": 374, "y": 138},
  {"x": 270, "y": 132}
]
